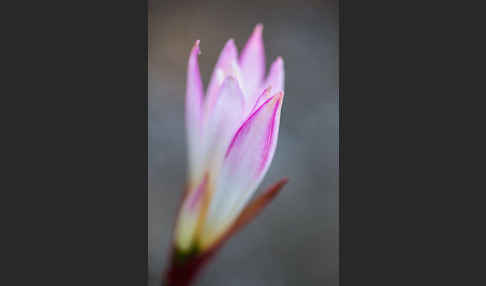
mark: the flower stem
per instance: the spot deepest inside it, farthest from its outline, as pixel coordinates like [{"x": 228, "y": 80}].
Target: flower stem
[{"x": 184, "y": 267}]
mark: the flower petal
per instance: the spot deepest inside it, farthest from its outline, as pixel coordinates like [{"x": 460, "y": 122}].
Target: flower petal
[
  {"x": 246, "y": 161},
  {"x": 274, "y": 81},
  {"x": 190, "y": 216},
  {"x": 252, "y": 148},
  {"x": 223, "y": 67},
  {"x": 223, "y": 120},
  {"x": 186, "y": 272},
  {"x": 252, "y": 62},
  {"x": 251, "y": 210},
  {"x": 264, "y": 96},
  {"x": 194, "y": 98},
  {"x": 276, "y": 76}
]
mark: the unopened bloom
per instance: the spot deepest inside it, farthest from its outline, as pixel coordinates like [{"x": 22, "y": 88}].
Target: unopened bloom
[{"x": 232, "y": 132}]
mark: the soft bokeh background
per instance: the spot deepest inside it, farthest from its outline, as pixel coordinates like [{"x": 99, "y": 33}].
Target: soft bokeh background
[{"x": 295, "y": 239}]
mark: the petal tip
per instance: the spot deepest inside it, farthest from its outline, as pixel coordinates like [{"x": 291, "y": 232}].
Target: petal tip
[
  {"x": 258, "y": 28},
  {"x": 273, "y": 100},
  {"x": 278, "y": 97},
  {"x": 257, "y": 33},
  {"x": 196, "y": 48},
  {"x": 230, "y": 44}
]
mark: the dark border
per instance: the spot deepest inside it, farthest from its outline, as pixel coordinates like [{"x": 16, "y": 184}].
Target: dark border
[
  {"x": 388, "y": 216},
  {"x": 87, "y": 222}
]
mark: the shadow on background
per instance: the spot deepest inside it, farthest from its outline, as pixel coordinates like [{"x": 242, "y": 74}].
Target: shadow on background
[{"x": 295, "y": 240}]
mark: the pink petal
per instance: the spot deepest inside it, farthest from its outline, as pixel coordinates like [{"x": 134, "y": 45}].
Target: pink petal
[
  {"x": 264, "y": 96},
  {"x": 223, "y": 67},
  {"x": 194, "y": 97},
  {"x": 254, "y": 142},
  {"x": 252, "y": 62},
  {"x": 274, "y": 82},
  {"x": 223, "y": 120},
  {"x": 246, "y": 161},
  {"x": 276, "y": 76}
]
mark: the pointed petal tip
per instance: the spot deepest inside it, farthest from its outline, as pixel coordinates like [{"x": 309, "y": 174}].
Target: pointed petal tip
[
  {"x": 252, "y": 61},
  {"x": 277, "y": 67},
  {"x": 258, "y": 28},
  {"x": 257, "y": 33},
  {"x": 195, "y": 48},
  {"x": 230, "y": 43},
  {"x": 271, "y": 100},
  {"x": 274, "y": 99},
  {"x": 261, "y": 98},
  {"x": 278, "y": 97}
]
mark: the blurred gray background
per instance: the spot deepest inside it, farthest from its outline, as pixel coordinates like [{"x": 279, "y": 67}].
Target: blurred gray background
[{"x": 295, "y": 239}]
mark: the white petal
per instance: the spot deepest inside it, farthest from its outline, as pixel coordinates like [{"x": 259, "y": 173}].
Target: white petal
[
  {"x": 225, "y": 117},
  {"x": 274, "y": 82},
  {"x": 276, "y": 76},
  {"x": 246, "y": 161},
  {"x": 222, "y": 69},
  {"x": 189, "y": 216},
  {"x": 194, "y": 98},
  {"x": 252, "y": 63}
]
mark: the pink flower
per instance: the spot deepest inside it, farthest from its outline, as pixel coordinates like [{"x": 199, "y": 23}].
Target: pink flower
[{"x": 232, "y": 133}]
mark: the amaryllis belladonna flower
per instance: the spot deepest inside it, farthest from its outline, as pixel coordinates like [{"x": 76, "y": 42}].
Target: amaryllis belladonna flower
[{"x": 232, "y": 132}]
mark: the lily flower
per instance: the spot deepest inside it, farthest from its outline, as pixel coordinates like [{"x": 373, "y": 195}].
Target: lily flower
[{"x": 232, "y": 133}]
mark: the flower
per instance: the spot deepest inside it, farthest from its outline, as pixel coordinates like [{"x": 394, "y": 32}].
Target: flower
[{"x": 232, "y": 134}]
